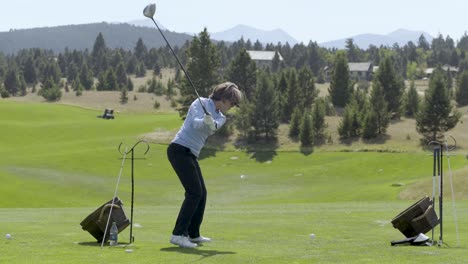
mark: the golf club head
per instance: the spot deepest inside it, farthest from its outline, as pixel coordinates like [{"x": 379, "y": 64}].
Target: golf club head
[{"x": 149, "y": 10}]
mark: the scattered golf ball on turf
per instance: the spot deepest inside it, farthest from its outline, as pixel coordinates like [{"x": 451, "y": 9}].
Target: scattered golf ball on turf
[
  {"x": 312, "y": 236},
  {"x": 129, "y": 250},
  {"x": 8, "y": 236}
]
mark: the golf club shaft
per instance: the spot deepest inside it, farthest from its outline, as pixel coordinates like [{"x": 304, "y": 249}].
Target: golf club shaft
[
  {"x": 181, "y": 66},
  {"x": 113, "y": 199}
]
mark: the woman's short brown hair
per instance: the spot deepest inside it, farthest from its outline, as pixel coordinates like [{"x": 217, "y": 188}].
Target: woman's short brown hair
[{"x": 227, "y": 91}]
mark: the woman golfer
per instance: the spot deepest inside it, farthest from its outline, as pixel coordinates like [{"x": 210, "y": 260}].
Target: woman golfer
[{"x": 183, "y": 153}]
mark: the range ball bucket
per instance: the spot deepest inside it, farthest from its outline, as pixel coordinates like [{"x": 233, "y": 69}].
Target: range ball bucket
[
  {"x": 96, "y": 222},
  {"x": 419, "y": 218}
]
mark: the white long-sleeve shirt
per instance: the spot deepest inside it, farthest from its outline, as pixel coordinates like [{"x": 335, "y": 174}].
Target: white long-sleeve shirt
[{"x": 194, "y": 131}]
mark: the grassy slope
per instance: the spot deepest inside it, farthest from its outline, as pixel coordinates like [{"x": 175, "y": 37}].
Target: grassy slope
[{"x": 64, "y": 161}]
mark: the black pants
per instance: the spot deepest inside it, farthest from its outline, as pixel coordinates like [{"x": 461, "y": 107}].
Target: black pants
[{"x": 191, "y": 212}]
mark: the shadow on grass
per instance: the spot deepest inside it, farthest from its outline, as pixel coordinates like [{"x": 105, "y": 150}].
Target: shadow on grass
[
  {"x": 197, "y": 251},
  {"x": 307, "y": 150},
  {"x": 213, "y": 144},
  {"x": 261, "y": 149},
  {"x": 378, "y": 140},
  {"x": 98, "y": 244}
]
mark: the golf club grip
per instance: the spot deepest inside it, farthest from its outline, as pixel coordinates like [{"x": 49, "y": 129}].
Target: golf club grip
[{"x": 181, "y": 66}]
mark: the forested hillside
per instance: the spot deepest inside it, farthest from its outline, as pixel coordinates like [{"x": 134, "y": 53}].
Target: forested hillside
[{"x": 81, "y": 37}]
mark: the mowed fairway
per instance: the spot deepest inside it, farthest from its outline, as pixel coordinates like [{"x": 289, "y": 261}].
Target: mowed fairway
[{"x": 58, "y": 163}]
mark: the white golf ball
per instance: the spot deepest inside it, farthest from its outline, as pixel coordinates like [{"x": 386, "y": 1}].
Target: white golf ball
[
  {"x": 312, "y": 236},
  {"x": 8, "y": 236}
]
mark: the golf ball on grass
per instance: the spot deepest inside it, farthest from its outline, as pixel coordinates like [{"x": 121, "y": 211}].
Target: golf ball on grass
[
  {"x": 312, "y": 236},
  {"x": 8, "y": 236}
]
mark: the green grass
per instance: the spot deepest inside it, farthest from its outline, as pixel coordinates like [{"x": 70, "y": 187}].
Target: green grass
[{"x": 58, "y": 163}]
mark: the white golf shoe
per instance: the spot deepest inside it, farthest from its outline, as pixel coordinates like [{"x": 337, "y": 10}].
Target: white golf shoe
[
  {"x": 200, "y": 239},
  {"x": 182, "y": 241}
]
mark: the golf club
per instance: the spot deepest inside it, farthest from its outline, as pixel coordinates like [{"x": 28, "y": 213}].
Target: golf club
[
  {"x": 148, "y": 12},
  {"x": 113, "y": 199}
]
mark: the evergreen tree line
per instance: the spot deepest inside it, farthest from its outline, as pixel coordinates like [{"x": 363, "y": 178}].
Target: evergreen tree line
[{"x": 284, "y": 93}]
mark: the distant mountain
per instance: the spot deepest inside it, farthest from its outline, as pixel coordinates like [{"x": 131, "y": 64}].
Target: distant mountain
[
  {"x": 264, "y": 36},
  {"x": 400, "y": 36},
  {"x": 81, "y": 37},
  {"x": 235, "y": 33},
  {"x": 126, "y": 35}
]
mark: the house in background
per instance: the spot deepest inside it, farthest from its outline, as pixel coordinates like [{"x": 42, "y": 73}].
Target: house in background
[
  {"x": 453, "y": 70},
  {"x": 262, "y": 58},
  {"x": 362, "y": 71}
]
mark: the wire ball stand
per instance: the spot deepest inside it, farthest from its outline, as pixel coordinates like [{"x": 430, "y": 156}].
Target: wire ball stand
[
  {"x": 438, "y": 181},
  {"x": 132, "y": 151}
]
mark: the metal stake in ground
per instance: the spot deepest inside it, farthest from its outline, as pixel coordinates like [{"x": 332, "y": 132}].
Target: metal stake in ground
[
  {"x": 132, "y": 239},
  {"x": 149, "y": 13},
  {"x": 447, "y": 154}
]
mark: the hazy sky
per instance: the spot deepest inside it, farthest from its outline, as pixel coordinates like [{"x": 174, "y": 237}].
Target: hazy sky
[{"x": 304, "y": 20}]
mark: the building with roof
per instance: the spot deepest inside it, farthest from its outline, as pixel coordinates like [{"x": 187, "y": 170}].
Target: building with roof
[
  {"x": 263, "y": 58},
  {"x": 451, "y": 69},
  {"x": 357, "y": 71},
  {"x": 361, "y": 70}
]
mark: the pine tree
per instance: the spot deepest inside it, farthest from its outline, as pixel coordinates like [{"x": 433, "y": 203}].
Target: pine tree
[
  {"x": 350, "y": 125},
  {"x": 140, "y": 70},
  {"x": 318, "y": 119},
  {"x": 379, "y": 107},
  {"x": 86, "y": 77},
  {"x": 121, "y": 76},
  {"x": 370, "y": 126},
  {"x": 242, "y": 71},
  {"x": 461, "y": 95},
  {"x": 77, "y": 87},
  {"x": 293, "y": 95},
  {"x": 123, "y": 95},
  {"x": 392, "y": 85},
  {"x": 307, "y": 134},
  {"x": 129, "y": 84},
  {"x": 203, "y": 68},
  {"x": 276, "y": 63},
  {"x": 437, "y": 114},
  {"x": 101, "y": 83},
  {"x": 295, "y": 124},
  {"x": 265, "y": 114},
  {"x": 412, "y": 100},
  {"x": 50, "y": 90},
  {"x": 111, "y": 80},
  {"x": 340, "y": 88},
  {"x": 242, "y": 118},
  {"x": 283, "y": 95},
  {"x": 141, "y": 51},
  {"x": 12, "y": 84},
  {"x": 30, "y": 72},
  {"x": 22, "y": 86},
  {"x": 51, "y": 70},
  {"x": 307, "y": 92},
  {"x": 99, "y": 55},
  {"x": 170, "y": 92}
]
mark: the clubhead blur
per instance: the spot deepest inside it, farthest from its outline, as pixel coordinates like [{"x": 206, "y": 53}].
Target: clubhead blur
[{"x": 149, "y": 10}]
